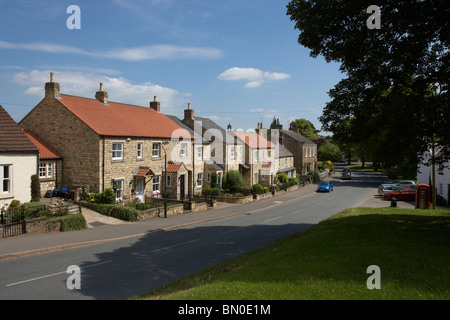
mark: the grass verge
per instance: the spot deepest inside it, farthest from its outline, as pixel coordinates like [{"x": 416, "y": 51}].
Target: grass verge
[{"x": 330, "y": 261}]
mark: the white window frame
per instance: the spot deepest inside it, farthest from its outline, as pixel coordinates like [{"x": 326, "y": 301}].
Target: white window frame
[
  {"x": 156, "y": 152},
  {"x": 119, "y": 191},
  {"x": 168, "y": 181},
  {"x": 200, "y": 180},
  {"x": 8, "y": 178},
  {"x": 140, "y": 150},
  {"x": 157, "y": 183},
  {"x": 117, "y": 154},
  {"x": 46, "y": 169},
  {"x": 208, "y": 177},
  {"x": 233, "y": 153},
  {"x": 241, "y": 153},
  {"x": 199, "y": 152},
  {"x": 183, "y": 150}
]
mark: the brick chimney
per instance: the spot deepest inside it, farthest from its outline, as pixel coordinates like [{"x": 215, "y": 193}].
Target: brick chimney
[
  {"x": 155, "y": 105},
  {"x": 188, "y": 113},
  {"x": 52, "y": 87},
  {"x": 101, "y": 95}
]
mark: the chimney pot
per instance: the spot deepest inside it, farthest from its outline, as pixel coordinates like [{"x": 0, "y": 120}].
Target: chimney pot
[
  {"x": 101, "y": 95},
  {"x": 155, "y": 105},
  {"x": 52, "y": 87},
  {"x": 188, "y": 113}
]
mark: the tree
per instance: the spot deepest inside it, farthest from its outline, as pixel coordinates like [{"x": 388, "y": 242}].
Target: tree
[
  {"x": 233, "y": 181},
  {"x": 306, "y": 128},
  {"x": 35, "y": 188},
  {"x": 330, "y": 152},
  {"x": 395, "y": 96}
]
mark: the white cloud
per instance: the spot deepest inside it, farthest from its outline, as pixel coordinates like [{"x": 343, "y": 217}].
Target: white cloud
[
  {"x": 254, "y": 77},
  {"x": 119, "y": 89},
  {"x": 168, "y": 52}
]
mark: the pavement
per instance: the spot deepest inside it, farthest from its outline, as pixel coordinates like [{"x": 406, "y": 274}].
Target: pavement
[{"x": 105, "y": 229}]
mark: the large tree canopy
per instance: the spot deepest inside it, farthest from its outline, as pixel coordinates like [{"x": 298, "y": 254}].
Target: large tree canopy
[{"x": 395, "y": 95}]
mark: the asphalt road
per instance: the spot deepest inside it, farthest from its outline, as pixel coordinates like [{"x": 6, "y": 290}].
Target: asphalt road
[{"x": 119, "y": 269}]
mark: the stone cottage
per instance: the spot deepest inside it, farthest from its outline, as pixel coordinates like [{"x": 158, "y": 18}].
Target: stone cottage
[{"x": 108, "y": 144}]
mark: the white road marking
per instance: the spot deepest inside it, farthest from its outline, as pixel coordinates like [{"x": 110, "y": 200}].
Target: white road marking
[
  {"x": 272, "y": 219},
  {"x": 53, "y": 274},
  {"x": 175, "y": 245}
]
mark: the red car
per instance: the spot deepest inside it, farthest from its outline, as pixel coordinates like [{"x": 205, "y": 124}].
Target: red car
[{"x": 402, "y": 194}]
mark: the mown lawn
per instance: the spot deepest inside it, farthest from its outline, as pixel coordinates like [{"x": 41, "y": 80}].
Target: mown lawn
[{"x": 330, "y": 261}]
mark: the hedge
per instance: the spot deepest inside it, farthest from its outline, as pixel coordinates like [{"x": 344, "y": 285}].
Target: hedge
[
  {"x": 70, "y": 222},
  {"x": 120, "y": 212}
]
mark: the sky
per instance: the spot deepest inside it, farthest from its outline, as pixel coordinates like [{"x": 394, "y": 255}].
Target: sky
[{"x": 237, "y": 62}]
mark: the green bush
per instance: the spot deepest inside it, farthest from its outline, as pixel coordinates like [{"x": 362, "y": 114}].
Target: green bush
[
  {"x": 233, "y": 181},
  {"x": 35, "y": 188},
  {"x": 73, "y": 222},
  {"x": 207, "y": 191},
  {"x": 293, "y": 181},
  {"x": 257, "y": 189},
  {"x": 246, "y": 191},
  {"x": 213, "y": 180},
  {"x": 14, "y": 204},
  {"x": 108, "y": 196},
  {"x": 215, "y": 191},
  {"x": 282, "y": 177},
  {"x": 120, "y": 212}
]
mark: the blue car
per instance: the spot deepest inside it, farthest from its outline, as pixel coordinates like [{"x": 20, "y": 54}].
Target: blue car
[{"x": 325, "y": 186}]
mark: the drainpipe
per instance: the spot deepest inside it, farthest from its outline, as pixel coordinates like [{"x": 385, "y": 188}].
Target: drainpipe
[{"x": 103, "y": 166}]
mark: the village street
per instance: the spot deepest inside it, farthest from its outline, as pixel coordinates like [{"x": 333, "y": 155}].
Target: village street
[{"x": 117, "y": 261}]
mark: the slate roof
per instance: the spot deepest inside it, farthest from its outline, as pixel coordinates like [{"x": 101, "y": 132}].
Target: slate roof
[
  {"x": 187, "y": 128},
  {"x": 226, "y": 136},
  {"x": 297, "y": 136},
  {"x": 12, "y": 138},
  {"x": 283, "y": 152},
  {"x": 45, "y": 151},
  {"x": 122, "y": 120}
]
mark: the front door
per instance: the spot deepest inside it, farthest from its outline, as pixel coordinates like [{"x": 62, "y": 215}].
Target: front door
[
  {"x": 182, "y": 186},
  {"x": 140, "y": 190}
]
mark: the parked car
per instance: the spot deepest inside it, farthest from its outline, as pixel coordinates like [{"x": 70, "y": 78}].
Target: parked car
[
  {"x": 408, "y": 194},
  {"x": 387, "y": 187},
  {"x": 325, "y": 186},
  {"x": 346, "y": 173},
  {"x": 406, "y": 184}
]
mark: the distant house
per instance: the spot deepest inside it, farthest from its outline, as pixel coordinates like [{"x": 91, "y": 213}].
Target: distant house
[
  {"x": 50, "y": 164},
  {"x": 260, "y": 157},
  {"x": 217, "y": 149},
  {"x": 111, "y": 145},
  {"x": 442, "y": 174},
  {"x": 304, "y": 150},
  {"x": 18, "y": 161},
  {"x": 284, "y": 160}
]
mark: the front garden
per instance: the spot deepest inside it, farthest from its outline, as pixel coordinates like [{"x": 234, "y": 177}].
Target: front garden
[
  {"x": 105, "y": 203},
  {"x": 59, "y": 213}
]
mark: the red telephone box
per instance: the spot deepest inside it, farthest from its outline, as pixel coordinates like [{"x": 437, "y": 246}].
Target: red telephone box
[{"x": 422, "y": 196}]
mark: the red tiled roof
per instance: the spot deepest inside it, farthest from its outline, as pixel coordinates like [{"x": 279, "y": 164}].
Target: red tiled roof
[
  {"x": 254, "y": 140},
  {"x": 45, "y": 151},
  {"x": 124, "y": 120},
  {"x": 267, "y": 165},
  {"x": 12, "y": 138},
  {"x": 173, "y": 167},
  {"x": 142, "y": 172}
]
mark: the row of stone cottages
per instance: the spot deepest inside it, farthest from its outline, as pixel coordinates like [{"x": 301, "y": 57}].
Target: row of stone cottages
[{"x": 133, "y": 149}]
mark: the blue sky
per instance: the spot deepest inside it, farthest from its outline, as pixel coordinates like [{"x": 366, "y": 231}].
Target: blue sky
[{"x": 236, "y": 62}]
